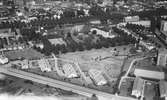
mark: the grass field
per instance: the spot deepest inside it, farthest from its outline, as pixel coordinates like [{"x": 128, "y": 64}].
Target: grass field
[
  {"x": 26, "y": 53},
  {"x": 108, "y": 64}
]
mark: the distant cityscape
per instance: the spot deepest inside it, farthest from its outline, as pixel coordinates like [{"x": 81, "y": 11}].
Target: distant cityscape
[{"x": 84, "y": 49}]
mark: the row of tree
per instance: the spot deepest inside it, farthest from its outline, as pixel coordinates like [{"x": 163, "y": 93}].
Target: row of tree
[{"x": 138, "y": 29}]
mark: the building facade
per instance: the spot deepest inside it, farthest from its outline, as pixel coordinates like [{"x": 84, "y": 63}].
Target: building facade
[
  {"x": 162, "y": 58},
  {"x": 163, "y": 30},
  {"x": 163, "y": 89}
]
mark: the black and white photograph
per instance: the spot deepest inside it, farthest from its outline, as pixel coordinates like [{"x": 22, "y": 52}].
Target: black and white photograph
[{"x": 83, "y": 49}]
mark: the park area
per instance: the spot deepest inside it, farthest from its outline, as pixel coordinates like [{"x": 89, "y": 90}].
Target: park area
[{"x": 101, "y": 59}]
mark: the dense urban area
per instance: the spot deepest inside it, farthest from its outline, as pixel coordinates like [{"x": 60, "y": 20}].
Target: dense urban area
[{"x": 84, "y": 49}]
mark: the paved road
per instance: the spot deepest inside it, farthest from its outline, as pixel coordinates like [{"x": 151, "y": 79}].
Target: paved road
[
  {"x": 63, "y": 85},
  {"x": 129, "y": 69}
]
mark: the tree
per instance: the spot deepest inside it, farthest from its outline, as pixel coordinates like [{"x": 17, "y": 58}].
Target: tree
[
  {"x": 48, "y": 47},
  {"x": 63, "y": 48},
  {"x": 94, "y": 32},
  {"x": 80, "y": 47},
  {"x": 94, "y": 97}
]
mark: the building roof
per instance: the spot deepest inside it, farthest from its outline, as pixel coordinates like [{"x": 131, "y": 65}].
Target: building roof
[
  {"x": 162, "y": 51},
  {"x": 69, "y": 71},
  {"x": 149, "y": 74},
  {"x": 98, "y": 29},
  {"x": 145, "y": 23},
  {"x": 163, "y": 88},
  {"x": 44, "y": 65},
  {"x": 57, "y": 41},
  {"x": 3, "y": 59},
  {"x": 138, "y": 84},
  {"x": 97, "y": 76}
]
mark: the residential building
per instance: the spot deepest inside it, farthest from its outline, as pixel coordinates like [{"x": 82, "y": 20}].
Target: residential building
[
  {"x": 3, "y": 59},
  {"x": 131, "y": 19},
  {"x": 148, "y": 46},
  {"x": 146, "y": 23},
  {"x": 138, "y": 87},
  {"x": 106, "y": 34},
  {"x": 57, "y": 41},
  {"x": 163, "y": 26},
  {"x": 95, "y": 22}
]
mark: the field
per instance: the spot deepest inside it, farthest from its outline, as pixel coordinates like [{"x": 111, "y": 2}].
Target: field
[
  {"x": 101, "y": 59},
  {"x": 26, "y": 53}
]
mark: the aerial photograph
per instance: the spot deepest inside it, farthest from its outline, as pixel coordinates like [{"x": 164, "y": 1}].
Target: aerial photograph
[{"x": 83, "y": 49}]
